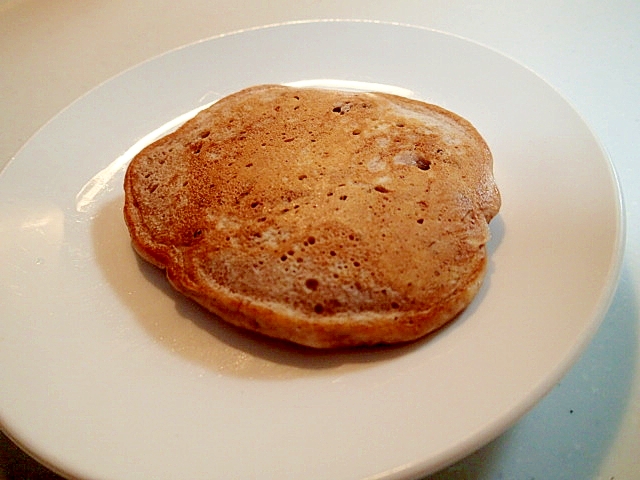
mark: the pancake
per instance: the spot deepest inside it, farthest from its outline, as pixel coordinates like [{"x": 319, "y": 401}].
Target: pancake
[{"x": 324, "y": 218}]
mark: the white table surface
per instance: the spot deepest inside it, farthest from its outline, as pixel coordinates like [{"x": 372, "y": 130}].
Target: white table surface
[{"x": 588, "y": 427}]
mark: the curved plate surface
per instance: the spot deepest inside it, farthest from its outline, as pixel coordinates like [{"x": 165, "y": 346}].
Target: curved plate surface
[{"x": 106, "y": 373}]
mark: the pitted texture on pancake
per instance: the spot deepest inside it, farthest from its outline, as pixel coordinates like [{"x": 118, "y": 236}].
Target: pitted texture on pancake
[{"x": 324, "y": 218}]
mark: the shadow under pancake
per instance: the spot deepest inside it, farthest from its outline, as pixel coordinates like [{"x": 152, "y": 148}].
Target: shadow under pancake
[
  {"x": 190, "y": 331},
  {"x": 195, "y": 334}
]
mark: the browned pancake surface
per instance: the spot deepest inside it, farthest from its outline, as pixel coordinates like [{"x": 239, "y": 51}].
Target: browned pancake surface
[{"x": 324, "y": 218}]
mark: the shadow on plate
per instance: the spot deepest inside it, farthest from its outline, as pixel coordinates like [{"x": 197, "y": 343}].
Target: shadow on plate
[{"x": 190, "y": 331}]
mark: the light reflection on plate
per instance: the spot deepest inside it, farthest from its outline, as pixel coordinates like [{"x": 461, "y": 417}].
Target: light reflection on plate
[{"x": 99, "y": 182}]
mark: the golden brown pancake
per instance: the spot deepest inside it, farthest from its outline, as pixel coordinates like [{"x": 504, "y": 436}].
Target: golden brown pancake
[{"x": 322, "y": 217}]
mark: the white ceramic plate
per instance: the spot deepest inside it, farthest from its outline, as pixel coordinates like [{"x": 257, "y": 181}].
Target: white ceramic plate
[{"x": 105, "y": 373}]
